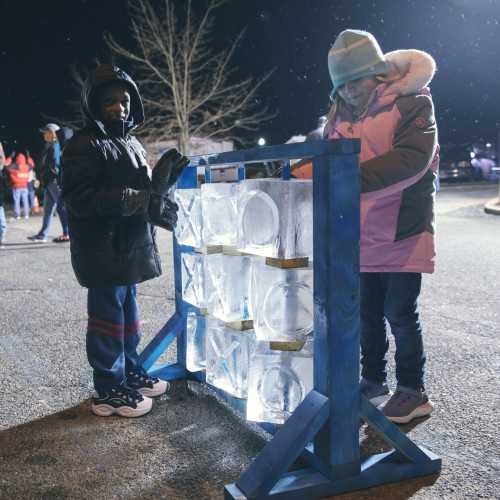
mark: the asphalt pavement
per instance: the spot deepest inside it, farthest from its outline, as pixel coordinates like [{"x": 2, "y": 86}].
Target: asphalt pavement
[{"x": 51, "y": 447}]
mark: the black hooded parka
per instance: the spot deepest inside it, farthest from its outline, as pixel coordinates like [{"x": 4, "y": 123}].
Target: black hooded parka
[{"x": 109, "y": 245}]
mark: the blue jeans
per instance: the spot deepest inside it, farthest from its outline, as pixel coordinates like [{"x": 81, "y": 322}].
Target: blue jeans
[
  {"x": 21, "y": 194},
  {"x": 52, "y": 200},
  {"x": 3, "y": 224},
  {"x": 392, "y": 297},
  {"x": 112, "y": 334}
]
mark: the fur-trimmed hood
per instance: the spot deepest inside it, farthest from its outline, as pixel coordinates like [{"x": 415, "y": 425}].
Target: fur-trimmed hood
[{"x": 410, "y": 72}]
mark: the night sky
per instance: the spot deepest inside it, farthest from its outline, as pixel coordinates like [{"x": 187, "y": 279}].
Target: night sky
[{"x": 38, "y": 41}]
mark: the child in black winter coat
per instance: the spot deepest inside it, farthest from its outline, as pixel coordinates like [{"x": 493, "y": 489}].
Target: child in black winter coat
[{"x": 113, "y": 204}]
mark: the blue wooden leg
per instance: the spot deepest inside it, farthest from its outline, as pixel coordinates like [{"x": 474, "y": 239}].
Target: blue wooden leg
[
  {"x": 391, "y": 432},
  {"x": 336, "y": 309},
  {"x": 286, "y": 445},
  {"x": 170, "y": 371},
  {"x": 163, "y": 339}
]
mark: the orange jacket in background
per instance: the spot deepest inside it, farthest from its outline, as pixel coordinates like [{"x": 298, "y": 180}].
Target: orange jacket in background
[{"x": 19, "y": 172}]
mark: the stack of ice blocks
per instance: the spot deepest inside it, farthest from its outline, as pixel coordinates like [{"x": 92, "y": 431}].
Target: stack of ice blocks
[{"x": 248, "y": 221}]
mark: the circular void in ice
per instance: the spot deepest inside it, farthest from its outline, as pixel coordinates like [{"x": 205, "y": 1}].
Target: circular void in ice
[
  {"x": 259, "y": 219},
  {"x": 287, "y": 310},
  {"x": 280, "y": 390}
]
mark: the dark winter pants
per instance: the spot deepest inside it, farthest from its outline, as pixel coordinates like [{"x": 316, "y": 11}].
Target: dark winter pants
[
  {"x": 392, "y": 297},
  {"x": 112, "y": 334},
  {"x": 52, "y": 201}
]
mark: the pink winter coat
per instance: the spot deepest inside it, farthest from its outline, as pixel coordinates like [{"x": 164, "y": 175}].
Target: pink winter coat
[{"x": 398, "y": 163}]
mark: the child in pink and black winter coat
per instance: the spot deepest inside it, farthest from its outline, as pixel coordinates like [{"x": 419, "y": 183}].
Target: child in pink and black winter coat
[{"x": 383, "y": 99}]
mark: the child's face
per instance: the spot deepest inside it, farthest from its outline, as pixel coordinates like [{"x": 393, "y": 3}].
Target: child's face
[
  {"x": 357, "y": 92},
  {"x": 114, "y": 103}
]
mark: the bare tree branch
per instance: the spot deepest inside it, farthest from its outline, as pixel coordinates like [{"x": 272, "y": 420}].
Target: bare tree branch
[{"x": 189, "y": 88}]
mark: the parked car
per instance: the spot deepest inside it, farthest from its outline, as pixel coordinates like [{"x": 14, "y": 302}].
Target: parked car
[
  {"x": 455, "y": 164},
  {"x": 484, "y": 161}
]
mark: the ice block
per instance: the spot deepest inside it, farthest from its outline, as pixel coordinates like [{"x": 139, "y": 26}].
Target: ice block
[
  {"x": 275, "y": 218},
  {"x": 193, "y": 278},
  {"x": 278, "y": 382},
  {"x": 195, "y": 340},
  {"x": 188, "y": 229},
  {"x": 227, "y": 286},
  {"x": 281, "y": 302},
  {"x": 218, "y": 206},
  {"x": 228, "y": 357}
]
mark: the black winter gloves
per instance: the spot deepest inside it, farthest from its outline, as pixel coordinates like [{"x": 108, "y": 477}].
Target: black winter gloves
[
  {"x": 162, "y": 211},
  {"x": 167, "y": 170}
]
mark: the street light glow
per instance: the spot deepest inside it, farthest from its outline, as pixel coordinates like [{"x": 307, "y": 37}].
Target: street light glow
[{"x": 261, "y": 141}]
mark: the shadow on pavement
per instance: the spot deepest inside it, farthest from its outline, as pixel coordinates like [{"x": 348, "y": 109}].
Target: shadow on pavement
[
  {"x": 371, "y": 443},
  {"x": 188, "y": 447}
]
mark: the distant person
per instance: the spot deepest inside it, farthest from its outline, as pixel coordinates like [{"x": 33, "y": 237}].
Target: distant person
[
  {"x": 32, "y": 185},
  {"x": 3, "y": 220},
  {"x": 112, "y": 202},
  {"x": 49, "y": 168},
  {"x": 384, "y": 101},
  {"x": 19, "y": 173}
]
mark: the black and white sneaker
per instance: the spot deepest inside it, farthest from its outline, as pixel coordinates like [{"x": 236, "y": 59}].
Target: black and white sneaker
[
  {"x": 122, "y": 401},
  {"x": 146, "y": 385}
]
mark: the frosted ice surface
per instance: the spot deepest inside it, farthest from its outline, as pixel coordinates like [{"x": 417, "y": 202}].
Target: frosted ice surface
[
  {"x": 227, "y": 286},
  {"x": 278, "y": 382},
  {"x": 188, "y": 229},
  {"x": 193, "y": 280},
  {"x": 281, "y": 302},
  {"x": 195, "y": 336},
  {"x": 275, "y": 218},
  {"x": 228, "y": 357},
  {"x": 218, "y": 206}
]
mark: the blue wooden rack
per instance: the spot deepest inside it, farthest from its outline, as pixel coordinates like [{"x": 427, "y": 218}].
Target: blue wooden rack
[{"x": 324, "y": 429}]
